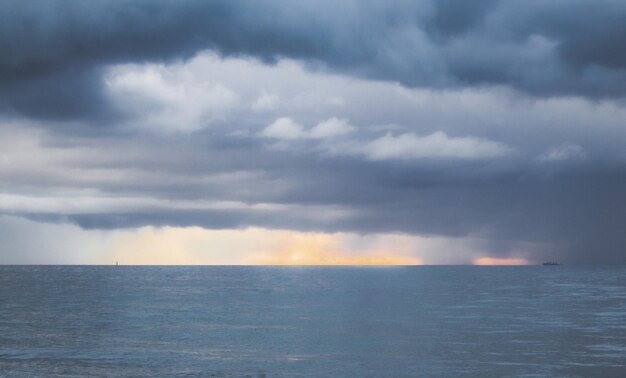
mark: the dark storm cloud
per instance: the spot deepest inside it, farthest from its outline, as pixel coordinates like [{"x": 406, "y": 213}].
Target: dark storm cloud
[
  {"x": 577, "y": 219},
  {"x": 558, "y": 47},
  {"x": 457, "y": 17},
  {"x": 567, "y": 214},
  {"x": 562, "y": 185},
  {"x": 68, "y": 93}
]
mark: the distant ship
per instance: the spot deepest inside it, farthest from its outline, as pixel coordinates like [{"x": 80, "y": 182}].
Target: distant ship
[{"x": 551, "y": 263}]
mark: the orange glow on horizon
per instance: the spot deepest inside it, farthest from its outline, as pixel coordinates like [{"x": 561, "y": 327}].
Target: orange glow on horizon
[
  {"x": 323, "y": 249},
  {"x": 252, "y": 246},
  {"x": 308, "y": 257},
  {"x": 499, "y": 261}
]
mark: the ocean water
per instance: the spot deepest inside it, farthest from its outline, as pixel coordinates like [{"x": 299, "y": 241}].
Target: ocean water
[{"x": 312, "y": 321}]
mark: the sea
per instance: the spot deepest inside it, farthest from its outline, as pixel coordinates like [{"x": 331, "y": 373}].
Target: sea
[{"x": 228, "y": 321}]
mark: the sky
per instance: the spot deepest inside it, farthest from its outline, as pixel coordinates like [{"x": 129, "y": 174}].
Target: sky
[{"x": 313, "y": 132}]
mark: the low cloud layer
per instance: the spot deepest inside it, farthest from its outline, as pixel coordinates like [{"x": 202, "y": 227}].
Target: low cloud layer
[{"x": 31, "y": 242}]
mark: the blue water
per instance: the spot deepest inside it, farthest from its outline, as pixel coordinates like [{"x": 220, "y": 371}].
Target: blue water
[{"x": 322, "y": 322}]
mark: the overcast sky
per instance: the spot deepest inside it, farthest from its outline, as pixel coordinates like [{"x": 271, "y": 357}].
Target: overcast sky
[{"x": 348, "y": 132}]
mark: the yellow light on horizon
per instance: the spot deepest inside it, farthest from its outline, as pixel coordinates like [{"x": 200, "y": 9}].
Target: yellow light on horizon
[
  {"x": 252, "y": 246},
  {"x": 316, "y": 257}
]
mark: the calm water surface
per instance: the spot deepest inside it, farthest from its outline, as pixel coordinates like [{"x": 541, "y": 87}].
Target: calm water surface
[{"x": 322, "y": 322}]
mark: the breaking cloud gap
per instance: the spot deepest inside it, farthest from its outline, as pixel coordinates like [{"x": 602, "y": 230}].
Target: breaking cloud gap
[{"x": 40, "y": 243}]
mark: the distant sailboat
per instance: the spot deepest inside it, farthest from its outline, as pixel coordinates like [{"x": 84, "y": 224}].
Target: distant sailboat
[{"x": 116, "y": 263}]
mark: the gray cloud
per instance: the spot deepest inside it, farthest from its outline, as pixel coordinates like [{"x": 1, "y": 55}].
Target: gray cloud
[
  {"x": 507, "y": 124},
  {"x": 51, "y": 50}
]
